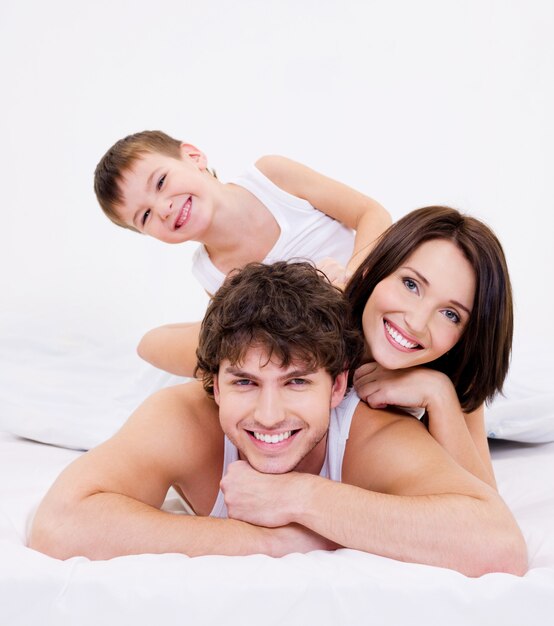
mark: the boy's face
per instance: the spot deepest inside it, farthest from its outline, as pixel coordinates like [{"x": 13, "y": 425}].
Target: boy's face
[
  {"x": 277, "y": 417},
  {"x": 167, "y": 198}
]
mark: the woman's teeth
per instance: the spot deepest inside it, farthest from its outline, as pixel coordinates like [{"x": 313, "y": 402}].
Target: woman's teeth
[
  {"x": 273, "y": 438},
  {"x": 398, "y": 338}
]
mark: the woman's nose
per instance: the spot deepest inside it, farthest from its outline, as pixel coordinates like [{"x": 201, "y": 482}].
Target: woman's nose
[{"x": 417, "y": 319}]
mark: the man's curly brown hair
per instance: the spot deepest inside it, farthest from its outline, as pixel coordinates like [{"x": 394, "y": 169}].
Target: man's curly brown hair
[{"x": 289, "y": 309}]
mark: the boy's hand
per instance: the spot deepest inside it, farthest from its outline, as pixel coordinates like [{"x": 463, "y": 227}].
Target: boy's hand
[{"x": 337, "y": 274}]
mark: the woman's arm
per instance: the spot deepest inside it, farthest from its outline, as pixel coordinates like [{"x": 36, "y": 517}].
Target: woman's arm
[
  {"x": 461, "y": 435},
  {"x": 354, "y": 209},
  {"x": 171, "y": 348}
]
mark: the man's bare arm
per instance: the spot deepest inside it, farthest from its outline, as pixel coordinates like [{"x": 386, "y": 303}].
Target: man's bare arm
[
  {"x": 407, "y": 499},
  {"x": 107, "y": 503}
]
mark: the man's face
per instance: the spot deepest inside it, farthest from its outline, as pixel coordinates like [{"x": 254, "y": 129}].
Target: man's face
[{"x": 277, "y": 417}]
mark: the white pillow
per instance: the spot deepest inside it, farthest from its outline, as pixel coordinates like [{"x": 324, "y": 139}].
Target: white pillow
[
  {"x": 525, "y": 411},
  {"x": 71, "y": 386}
]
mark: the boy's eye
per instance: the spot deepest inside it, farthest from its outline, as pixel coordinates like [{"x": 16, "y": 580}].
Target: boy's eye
[
  {"x": 145, "y": 217},
  {"x": 160, "y": 183}
]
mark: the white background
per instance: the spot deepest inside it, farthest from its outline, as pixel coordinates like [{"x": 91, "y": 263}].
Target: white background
[{"x": 414, "y": 103}]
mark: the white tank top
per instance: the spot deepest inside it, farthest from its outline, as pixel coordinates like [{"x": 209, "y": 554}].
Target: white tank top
[
  {"x": 306, "y": 232},
  {"x": 339, "y": 429}
]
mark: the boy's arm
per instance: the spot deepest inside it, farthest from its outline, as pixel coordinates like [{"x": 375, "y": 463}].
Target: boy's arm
[
  {"x": 171, "y": 348},
  {"x": 107, "y": 502},
  {"x": 354, "y": 209},
  {"x": 406, "y": 499}
]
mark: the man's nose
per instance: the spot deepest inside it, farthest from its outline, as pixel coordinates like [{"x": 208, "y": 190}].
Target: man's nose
[{"x": 269, "y": 411}]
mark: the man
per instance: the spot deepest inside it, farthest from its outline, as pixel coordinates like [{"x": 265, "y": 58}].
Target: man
[{"x": 275, "y": 349}]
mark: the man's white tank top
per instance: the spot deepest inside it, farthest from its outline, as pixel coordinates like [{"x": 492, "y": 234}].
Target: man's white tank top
[
  {"x": 306, "y": 232},
  {"x": 339, "y": 429}
]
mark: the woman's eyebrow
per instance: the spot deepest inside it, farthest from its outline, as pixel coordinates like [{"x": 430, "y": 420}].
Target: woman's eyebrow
[{"x": 426, "y": 283}]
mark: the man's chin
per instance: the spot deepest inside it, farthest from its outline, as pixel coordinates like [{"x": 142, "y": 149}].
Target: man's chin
[{"x": 270, "y": 465}]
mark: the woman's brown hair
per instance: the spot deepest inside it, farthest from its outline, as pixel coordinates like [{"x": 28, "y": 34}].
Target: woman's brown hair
[{"x": 479, "y": 362}]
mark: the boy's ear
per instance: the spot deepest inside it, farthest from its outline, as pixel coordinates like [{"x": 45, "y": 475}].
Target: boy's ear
[
  {"x": 195, "y": 154},
  {"x": 339, "y": 389}
]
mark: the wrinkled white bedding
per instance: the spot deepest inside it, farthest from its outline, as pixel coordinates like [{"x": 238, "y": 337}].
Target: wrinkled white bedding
[{"x": 344, "y": 587}]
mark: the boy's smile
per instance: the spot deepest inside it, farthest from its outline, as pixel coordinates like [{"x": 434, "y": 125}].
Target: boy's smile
[
  {"x": 277, "y": 416},
  {"x": 167, "y": 198}
]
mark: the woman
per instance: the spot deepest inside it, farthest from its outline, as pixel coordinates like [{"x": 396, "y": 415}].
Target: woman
[{"x": 434, "y": 301}]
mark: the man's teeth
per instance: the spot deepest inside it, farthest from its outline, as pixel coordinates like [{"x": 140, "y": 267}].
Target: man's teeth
[
  {"x": 399, "y": 338},
  {"x": 273, "y": 438}
]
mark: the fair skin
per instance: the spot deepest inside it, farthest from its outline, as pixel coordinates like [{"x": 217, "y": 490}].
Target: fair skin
[
  {"x": 426, "y": 305},
  {"x": 177, "y": 200},
  {"x": 419, "y": 505},
  {"x": 414, "y": 316}
]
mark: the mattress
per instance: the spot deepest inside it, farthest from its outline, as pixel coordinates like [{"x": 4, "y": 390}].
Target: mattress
[{"x": 341, "y": 587}]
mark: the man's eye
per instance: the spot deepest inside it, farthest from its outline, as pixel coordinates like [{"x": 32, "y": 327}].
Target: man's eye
[
  {"x": 145, "y": 217},
  {"x": 299, "y": 381},
  {"x": 160, "y": 183},
  {"x": 242, "y": 382}
]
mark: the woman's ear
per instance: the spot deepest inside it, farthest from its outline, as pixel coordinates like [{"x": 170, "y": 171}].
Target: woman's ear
[{"x": 192, "y": 152}]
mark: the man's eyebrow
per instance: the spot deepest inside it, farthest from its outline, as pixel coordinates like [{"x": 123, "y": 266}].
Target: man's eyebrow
[
  {"x": 426, "y": 283},
  {"x": 296, "y": 373}
]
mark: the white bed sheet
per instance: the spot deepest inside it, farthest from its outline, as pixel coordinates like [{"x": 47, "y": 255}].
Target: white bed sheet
[{"x": 344, "y": 587}]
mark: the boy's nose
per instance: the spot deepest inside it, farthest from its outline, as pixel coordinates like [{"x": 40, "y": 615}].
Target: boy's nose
[{"x": 164, "y": 209}]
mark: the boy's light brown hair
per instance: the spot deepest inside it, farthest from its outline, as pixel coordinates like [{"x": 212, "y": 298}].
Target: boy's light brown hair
[{"x": 119, "y": 159}]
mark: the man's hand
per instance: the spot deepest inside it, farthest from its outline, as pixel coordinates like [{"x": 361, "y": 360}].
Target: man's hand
[{"x": 260, "y": 499}]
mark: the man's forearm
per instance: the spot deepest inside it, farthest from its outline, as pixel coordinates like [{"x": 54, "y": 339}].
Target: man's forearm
[
  {"x": 106, "y": 525},
  {"x": 465, "y": 533}
]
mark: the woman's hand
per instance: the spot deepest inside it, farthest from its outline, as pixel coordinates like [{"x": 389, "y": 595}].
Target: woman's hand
[{"x": 411, "y": 387}]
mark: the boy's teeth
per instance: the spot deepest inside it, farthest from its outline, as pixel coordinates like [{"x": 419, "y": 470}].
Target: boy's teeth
[
  {"x": 399, "y": 338},
  {"x": 273, "y": 438}
]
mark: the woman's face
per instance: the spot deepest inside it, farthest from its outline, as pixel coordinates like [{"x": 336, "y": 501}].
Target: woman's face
[{"x": 419, "y": 312}]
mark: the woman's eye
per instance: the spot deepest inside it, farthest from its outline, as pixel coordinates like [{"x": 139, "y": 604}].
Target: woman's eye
[
  {"x": 145, "y": 217},
  {"x": 410, "y": 284},
  {"x": 452, "y": 316},
  {"x": 161, "y": 183}
]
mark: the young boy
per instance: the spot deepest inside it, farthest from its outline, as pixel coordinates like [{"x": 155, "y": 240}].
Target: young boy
[
  {"x": 260, "y": 467},
  {"x": 161, "y": 187}
]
